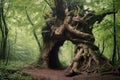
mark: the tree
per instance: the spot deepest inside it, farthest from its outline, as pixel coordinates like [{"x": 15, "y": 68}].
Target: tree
[
  {"x": 115, "y": 42},
  {"x": 72, "y": 22},
  {"x": 4, "y": 30},
  {"x": 34, "y": 32}
]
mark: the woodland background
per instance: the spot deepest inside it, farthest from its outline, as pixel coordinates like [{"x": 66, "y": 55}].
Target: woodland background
[{"x": 21, "y": 23}]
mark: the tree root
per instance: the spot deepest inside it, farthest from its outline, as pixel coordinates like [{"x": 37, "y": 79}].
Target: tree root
[{"x": 85, "y": 60}]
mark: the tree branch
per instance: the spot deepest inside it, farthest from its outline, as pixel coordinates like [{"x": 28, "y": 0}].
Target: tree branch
[
  {"x": 34, "y": 33},
  {"x": 76, "y": 32},
  {"x": 90, "y": 18},
  {"x": 49, "y": 5},
  {"x": 100, "y": 17}
]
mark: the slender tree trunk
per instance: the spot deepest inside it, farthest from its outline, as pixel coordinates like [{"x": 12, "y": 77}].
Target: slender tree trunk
[
  {"x": 37, "y": 40},
  {"x": 118, "y": 51},
  {"x": 34, "y": 33},
  {"x": 1, "y": 32},
  {"x": 4, "y": 30},
  {"x": 114, "y": 31},
  {"x": 8, "y": 55}
]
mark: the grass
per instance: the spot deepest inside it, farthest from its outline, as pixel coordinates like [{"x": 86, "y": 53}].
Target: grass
[{"x": 13, "y": 72}]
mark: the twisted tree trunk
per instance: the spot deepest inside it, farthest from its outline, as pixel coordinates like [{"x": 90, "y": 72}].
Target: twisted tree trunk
[{"x": 77, "y": 28}]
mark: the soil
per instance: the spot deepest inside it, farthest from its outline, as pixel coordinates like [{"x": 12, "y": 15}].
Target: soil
[{"x": 51, "y": 74}]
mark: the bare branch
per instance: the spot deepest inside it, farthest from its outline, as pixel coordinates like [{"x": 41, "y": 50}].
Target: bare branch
[
  {"x": 34, "y": 33},
  {"x": 28, "y": 17},
  {"x": 49, "y": 5},
  {"x": 91, "y": 18},
  {"x": 101, "y": 16}
]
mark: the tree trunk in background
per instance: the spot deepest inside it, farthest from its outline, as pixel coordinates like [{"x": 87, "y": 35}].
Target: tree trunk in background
[
  {"x": 4, "y": 30},
  {"x": 114, "y": 35},
  {"x": 37, "y": 40},
  {"x": 34, "y": 32},
  {"x": 7, "y": 58}
]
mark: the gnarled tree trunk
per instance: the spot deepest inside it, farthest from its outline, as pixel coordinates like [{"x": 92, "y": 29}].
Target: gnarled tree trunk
[{"x": 77, "y": 28}]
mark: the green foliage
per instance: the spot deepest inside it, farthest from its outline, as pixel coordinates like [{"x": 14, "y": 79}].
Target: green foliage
[
  {"x": 66, "y": 53},
  {"x": 104, "y": 32},
  {"x": 23, "y": 49},
  {"x": 117, "y": 4},
  {"x": 23, "y": 46},
  {"x": 7, "y": 73}
]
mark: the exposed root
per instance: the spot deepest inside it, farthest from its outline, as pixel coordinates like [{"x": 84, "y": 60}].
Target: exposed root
[{"x": 85, "y": 60}]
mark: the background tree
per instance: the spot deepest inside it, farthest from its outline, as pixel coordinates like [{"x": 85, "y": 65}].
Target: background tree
[
  {"x": 115, "y": 42},
  {"x": 4, "y": 30}
]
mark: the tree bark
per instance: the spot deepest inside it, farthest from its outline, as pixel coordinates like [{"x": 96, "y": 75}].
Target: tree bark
[
  {"x": 49, "y": 57},
  {"x": 87, "y": 55}
]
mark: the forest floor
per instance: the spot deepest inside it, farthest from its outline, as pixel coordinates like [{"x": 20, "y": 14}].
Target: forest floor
[{"x": 50, "y": 74}]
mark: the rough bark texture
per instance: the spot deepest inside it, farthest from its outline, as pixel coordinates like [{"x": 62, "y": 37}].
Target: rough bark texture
[{"x": 77, "y": 28}]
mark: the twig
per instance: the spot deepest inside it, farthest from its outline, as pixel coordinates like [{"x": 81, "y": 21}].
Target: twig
[{"x": 49, "y": 4}]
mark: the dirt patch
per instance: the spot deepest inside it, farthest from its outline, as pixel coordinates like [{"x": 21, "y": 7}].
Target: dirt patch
[{"x": 49, "y": 74}]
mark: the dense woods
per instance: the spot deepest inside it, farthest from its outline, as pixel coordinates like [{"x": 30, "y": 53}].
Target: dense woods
[{"x": 75, "y": 35}]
